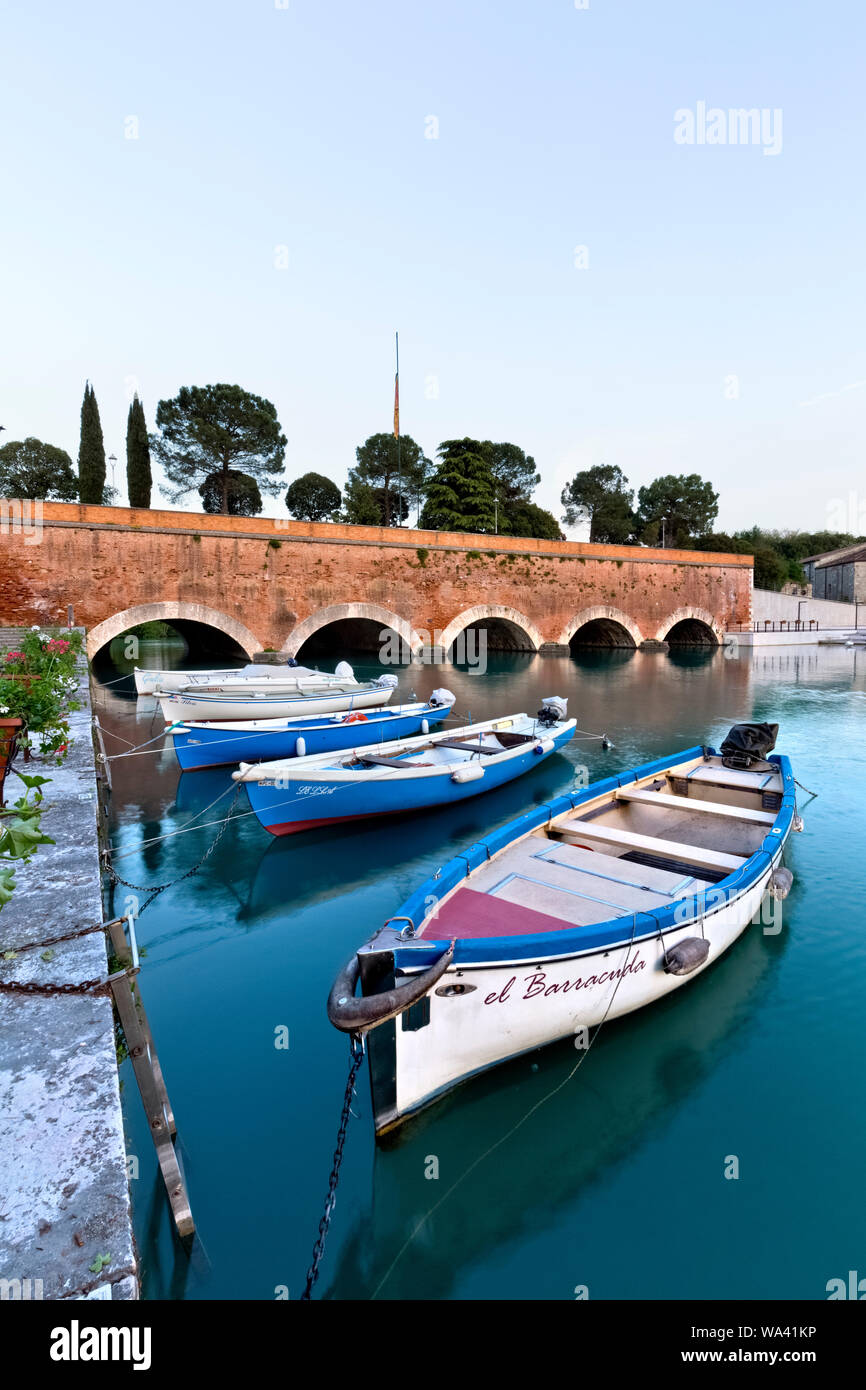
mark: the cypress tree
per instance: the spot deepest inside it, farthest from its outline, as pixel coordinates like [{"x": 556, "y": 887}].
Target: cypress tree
[
  {"x": 138, "y": 475},
  {"x": 91, "y": 451}
]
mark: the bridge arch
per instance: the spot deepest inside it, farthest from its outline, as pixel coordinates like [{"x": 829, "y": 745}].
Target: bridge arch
[
  {"x": 520, "y": 633},
  {"x": 612, "y": 627},
  {"x": 343, "y": 612},
  {"x": 691, "y": 626},
  {"x": 104, "y": 632}
]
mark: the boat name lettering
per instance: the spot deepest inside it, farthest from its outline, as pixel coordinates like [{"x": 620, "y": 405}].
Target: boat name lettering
[{"x": 537, "y": 984}]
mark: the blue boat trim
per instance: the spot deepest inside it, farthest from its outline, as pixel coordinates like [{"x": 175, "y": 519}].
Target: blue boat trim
[{"x": 585, "y": 940}]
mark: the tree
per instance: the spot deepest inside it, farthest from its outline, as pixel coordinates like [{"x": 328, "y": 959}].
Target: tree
[
  {"x": 602, "y": 493},
  {"x": 139, "y": 479},
  {"x": 360, "y": 504},
  {"x": 461, "y": 492},
  {"x": 29, "y": 468},
  {"x": 687, "y": 504},
  {"x": 377, "y": 466},
  {"x": 213, "y": 431},
  {"x": 313, "y": 497},
  {"x": 527, "y": 519},
  {"x": 231, "y": 494},
  {"x": 91, "y": 450}
]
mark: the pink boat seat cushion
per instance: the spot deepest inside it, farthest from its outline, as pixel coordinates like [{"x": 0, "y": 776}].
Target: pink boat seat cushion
[{"x": 469, "y": 913}]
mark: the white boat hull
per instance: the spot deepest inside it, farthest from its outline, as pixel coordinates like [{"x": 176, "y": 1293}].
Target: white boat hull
[
  {"x": 195, "y": 706},
  {"x": 512, "y": 1009}
]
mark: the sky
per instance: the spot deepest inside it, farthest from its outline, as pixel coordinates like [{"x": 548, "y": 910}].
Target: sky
[{"x": 263, "y": 191}]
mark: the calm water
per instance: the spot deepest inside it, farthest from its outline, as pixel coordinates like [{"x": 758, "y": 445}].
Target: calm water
[{"x": 617, "y": 1181}]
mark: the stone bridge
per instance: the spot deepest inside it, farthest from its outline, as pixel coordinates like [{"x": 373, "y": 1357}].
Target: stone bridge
[{"x": 268, "y": 583}]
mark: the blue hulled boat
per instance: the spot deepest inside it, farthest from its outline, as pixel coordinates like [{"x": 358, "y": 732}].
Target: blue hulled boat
[
  {"x": 410, "y": 774},
  {"x": 210, "y": 744}
]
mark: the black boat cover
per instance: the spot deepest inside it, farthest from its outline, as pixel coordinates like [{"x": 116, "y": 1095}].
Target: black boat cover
[{"x": 748, "y": 743}]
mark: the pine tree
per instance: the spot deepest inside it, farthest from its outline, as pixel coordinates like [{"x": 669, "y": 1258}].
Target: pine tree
[
  {"x": 139, "y": 479},
  {"x": 91, "y": 451}
]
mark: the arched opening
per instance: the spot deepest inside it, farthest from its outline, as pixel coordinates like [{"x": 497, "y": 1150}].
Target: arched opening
[
  {"x": 345, "y": 637},
  {"x": 489, "y": 634},
  {"x": 601, "y": 632},
  {"x": 691, "y": 632}
]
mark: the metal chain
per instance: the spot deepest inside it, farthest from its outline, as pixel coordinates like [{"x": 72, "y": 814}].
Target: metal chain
[
  {"x": 155, "y": 889},
  {"x": 86, "y": 987},
  {"x": 356, "y": 1046}
]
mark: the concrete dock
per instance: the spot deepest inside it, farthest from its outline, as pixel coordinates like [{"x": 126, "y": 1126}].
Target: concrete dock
[{"x": 64, "y": 1193}]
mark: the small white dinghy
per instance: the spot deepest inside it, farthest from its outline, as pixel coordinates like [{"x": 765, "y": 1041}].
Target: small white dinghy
[
  {"x": 148, "y": 682},
  {"x": 579, "y": 911}
]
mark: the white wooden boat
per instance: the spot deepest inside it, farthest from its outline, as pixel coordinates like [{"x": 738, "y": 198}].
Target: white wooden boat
[
  {"x": 263, "y": 703},
  {"x": 148, "y": 682},
  {"x": 582, "y": 910}
]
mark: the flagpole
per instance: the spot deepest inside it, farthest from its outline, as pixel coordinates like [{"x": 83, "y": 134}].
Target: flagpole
[{"x": 397, "y": 423}]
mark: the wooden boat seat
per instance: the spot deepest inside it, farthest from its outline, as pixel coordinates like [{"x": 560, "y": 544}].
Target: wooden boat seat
[
  {"x": 580, "y": 832},
  {"x": 695, "y": 804},
  {"x": 374, "y": 760}
]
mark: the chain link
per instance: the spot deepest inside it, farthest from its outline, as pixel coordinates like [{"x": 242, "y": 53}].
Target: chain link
[
  {"x": 356, "y": 1045},
  {"x": 155, "y": 889}
]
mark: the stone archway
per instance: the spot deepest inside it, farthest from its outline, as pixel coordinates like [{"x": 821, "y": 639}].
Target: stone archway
[
  {"x": 602, "y": 613},
  {"x": 526, "y": 635},
  {"x": 713, "y": 634},
  {"x": 104, "y": 632},
  {"x": 341, "y": 612}
]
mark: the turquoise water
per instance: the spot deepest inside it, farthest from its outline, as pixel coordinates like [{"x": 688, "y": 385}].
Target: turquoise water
[{"x": 617, "y": 1181}]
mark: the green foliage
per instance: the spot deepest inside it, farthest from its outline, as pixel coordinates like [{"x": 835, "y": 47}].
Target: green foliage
[
  {"x": 139, "y": 479},
  {"x": 377, "y": 468},
  {"x": 230, "y": 494},
  {"x": 687, "y": 504},
  {"x": 461, "y": 492},
  {"x": 313, "y": 497},
  {"x": 209, "y": 432},
  {"x": 29, "y": 468},
  {"x": 21, "y": 833},
  {"x": 363, "y": 505},
  {"x": 37, "y": 683},
  {"x": 91, "y": 451},
  {"x": 602, "y": 493},
  {"x": 527, "y": 519}
]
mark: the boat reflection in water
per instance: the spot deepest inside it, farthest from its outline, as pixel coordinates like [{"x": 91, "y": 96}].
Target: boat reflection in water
[{"x": 635, "y": 1077}]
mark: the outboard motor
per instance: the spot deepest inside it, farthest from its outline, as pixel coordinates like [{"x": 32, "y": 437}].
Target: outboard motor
[
  {"x": 442, "y": 697},
  {"x": 748, "y": 744},
  {"x": 553, "y": 710}
]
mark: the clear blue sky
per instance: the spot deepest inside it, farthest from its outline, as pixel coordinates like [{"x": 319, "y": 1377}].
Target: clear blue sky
[{"x": 153, "y": 260}]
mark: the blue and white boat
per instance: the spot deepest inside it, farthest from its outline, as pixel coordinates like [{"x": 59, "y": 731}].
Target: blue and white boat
[
  {"x": 208, "y": 744},
  {"x": 410, "y": 774},
  {"x": 580, "y": 911}
]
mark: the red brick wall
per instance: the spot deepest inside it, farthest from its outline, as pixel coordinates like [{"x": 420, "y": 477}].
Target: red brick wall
[{"x": 106, "y": 560}]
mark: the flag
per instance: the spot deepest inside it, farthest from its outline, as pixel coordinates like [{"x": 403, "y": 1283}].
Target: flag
[{"x": 397, "y": 406}]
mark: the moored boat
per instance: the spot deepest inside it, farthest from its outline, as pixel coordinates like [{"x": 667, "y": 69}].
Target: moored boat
[
  {"x": 148, "y": 682},
  {"x": 261, "y": 703},
  {"x": 409, "y": 774},
  {"x": 582, "y": 910},
  {"x": 201, "y": 744}
]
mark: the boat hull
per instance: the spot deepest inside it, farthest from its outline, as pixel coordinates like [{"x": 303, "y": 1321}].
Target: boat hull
[
  {"x": 220, "y": 707},
  {"x": 217, "y": 745},
  {"x": 290, "y": 804}
]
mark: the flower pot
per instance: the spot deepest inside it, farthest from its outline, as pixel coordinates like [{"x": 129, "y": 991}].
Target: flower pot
[{"x": 9, "y": 731}]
